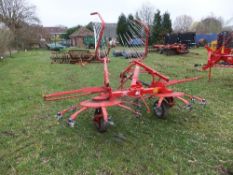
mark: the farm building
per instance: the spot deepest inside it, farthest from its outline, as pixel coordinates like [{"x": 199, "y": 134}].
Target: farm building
[
  {"x": 81, "y": 36},
  {"x": 84, "y": 37},
  {"x": 55, "y": 30}
]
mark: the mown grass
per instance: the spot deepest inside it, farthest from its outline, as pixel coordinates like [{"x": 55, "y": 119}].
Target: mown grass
[{"x": 33, "y": 142}]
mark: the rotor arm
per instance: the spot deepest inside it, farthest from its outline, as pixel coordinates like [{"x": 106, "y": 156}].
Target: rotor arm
[
  {"x": 73, "y": 93},
  {"x": 173, "y": 82}
]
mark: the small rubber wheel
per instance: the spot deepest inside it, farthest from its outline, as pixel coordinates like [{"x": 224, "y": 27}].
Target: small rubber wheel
[
  {"x": 160, "y": 112},
  {"x": 99, "y": 122}
]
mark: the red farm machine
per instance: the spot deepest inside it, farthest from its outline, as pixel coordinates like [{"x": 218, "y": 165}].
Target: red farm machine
[
  {"x": 132, "y": 91},
  {"x": 171, "y": 49},
  {"x": 176, "y": 43},
  {"x": 223, "y": 55},
  {"x": 74, "y": 56}
]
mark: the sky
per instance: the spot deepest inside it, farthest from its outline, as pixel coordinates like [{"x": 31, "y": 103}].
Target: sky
[{"x": 73, "y": 12}]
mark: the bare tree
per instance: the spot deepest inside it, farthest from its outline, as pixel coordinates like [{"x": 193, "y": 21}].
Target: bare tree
[
  {"x": 29, "y": 35},
  {"x": 6, "y": 37},
  {"x": 16, "y": 13},
  {"x": 146, "y": 13},
  {"x": 228, "y": 24},
  {"x": 210, "y": 24},
  {"x": 228, "y": 28},
  {"x": 183, "y": 23}
]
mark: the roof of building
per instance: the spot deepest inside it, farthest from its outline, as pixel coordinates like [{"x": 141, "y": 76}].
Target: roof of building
[
  {"x": 56, "y": 30},
  {"x": 81, "y": 32}
]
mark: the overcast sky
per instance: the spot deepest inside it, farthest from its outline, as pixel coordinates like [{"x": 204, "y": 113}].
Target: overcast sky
[{"x": 73, "y": 12}]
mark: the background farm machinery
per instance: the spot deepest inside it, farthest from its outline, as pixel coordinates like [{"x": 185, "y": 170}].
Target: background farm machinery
[
  {"x": 132, "y": 92},
  {"x": 175, "y": 44},
  {"x": 223, "y": 55},
  {"x": 73, "y": 56},
  {"x": 171, "y": 49}
]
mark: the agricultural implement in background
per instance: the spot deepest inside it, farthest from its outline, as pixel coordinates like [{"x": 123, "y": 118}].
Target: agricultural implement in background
[
  {"x": 223, "y": 55},
  {"x": 129, "y": 98},
  {"x": 175, "y": 44},
  {"x": 171, "y": 49},
  {"x": 74, "y": 56}
]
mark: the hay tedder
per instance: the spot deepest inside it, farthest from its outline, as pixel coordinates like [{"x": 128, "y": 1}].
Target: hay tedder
[
  {"x": 74, "y": 56},
  {"x": 223, "y": 55},
  {"x": 132, "y": 92}
]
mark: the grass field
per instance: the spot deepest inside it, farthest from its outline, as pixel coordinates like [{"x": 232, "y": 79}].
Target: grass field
[{"x": 32, "y": 141}]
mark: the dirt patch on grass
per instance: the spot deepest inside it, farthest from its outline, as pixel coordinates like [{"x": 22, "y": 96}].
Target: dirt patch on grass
[{"x": 8, "y": 133}]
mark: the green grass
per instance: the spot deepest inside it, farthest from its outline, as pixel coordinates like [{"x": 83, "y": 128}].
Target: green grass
[{"x": 33, "y": 142}]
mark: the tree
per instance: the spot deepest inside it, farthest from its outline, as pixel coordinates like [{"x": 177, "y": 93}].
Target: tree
[
  {"x": 13, "y": 13},
  {"x": 6, "y": 37},
  {"x": 228, "y": 25},
  {"x": 90, "y": 26},
  {"x": 130, "y": 17},
  {"x": 183, "y": 23},
  {"x": 122, "y": 28},
  {"x": 16, "y": 13},
  {"x": 129, "y": 28},
  {"x": 146, "y": 13},
  {"x": 28, "y": 35},
  {"x": 157, "y": 28},
  {"x": 70, "y": 31},
  {"x": 209, "y": 25},
  {"x": 166, "y": 23}
]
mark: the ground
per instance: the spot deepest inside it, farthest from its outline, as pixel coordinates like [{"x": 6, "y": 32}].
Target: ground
[{"x": 34, "y": 142}]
